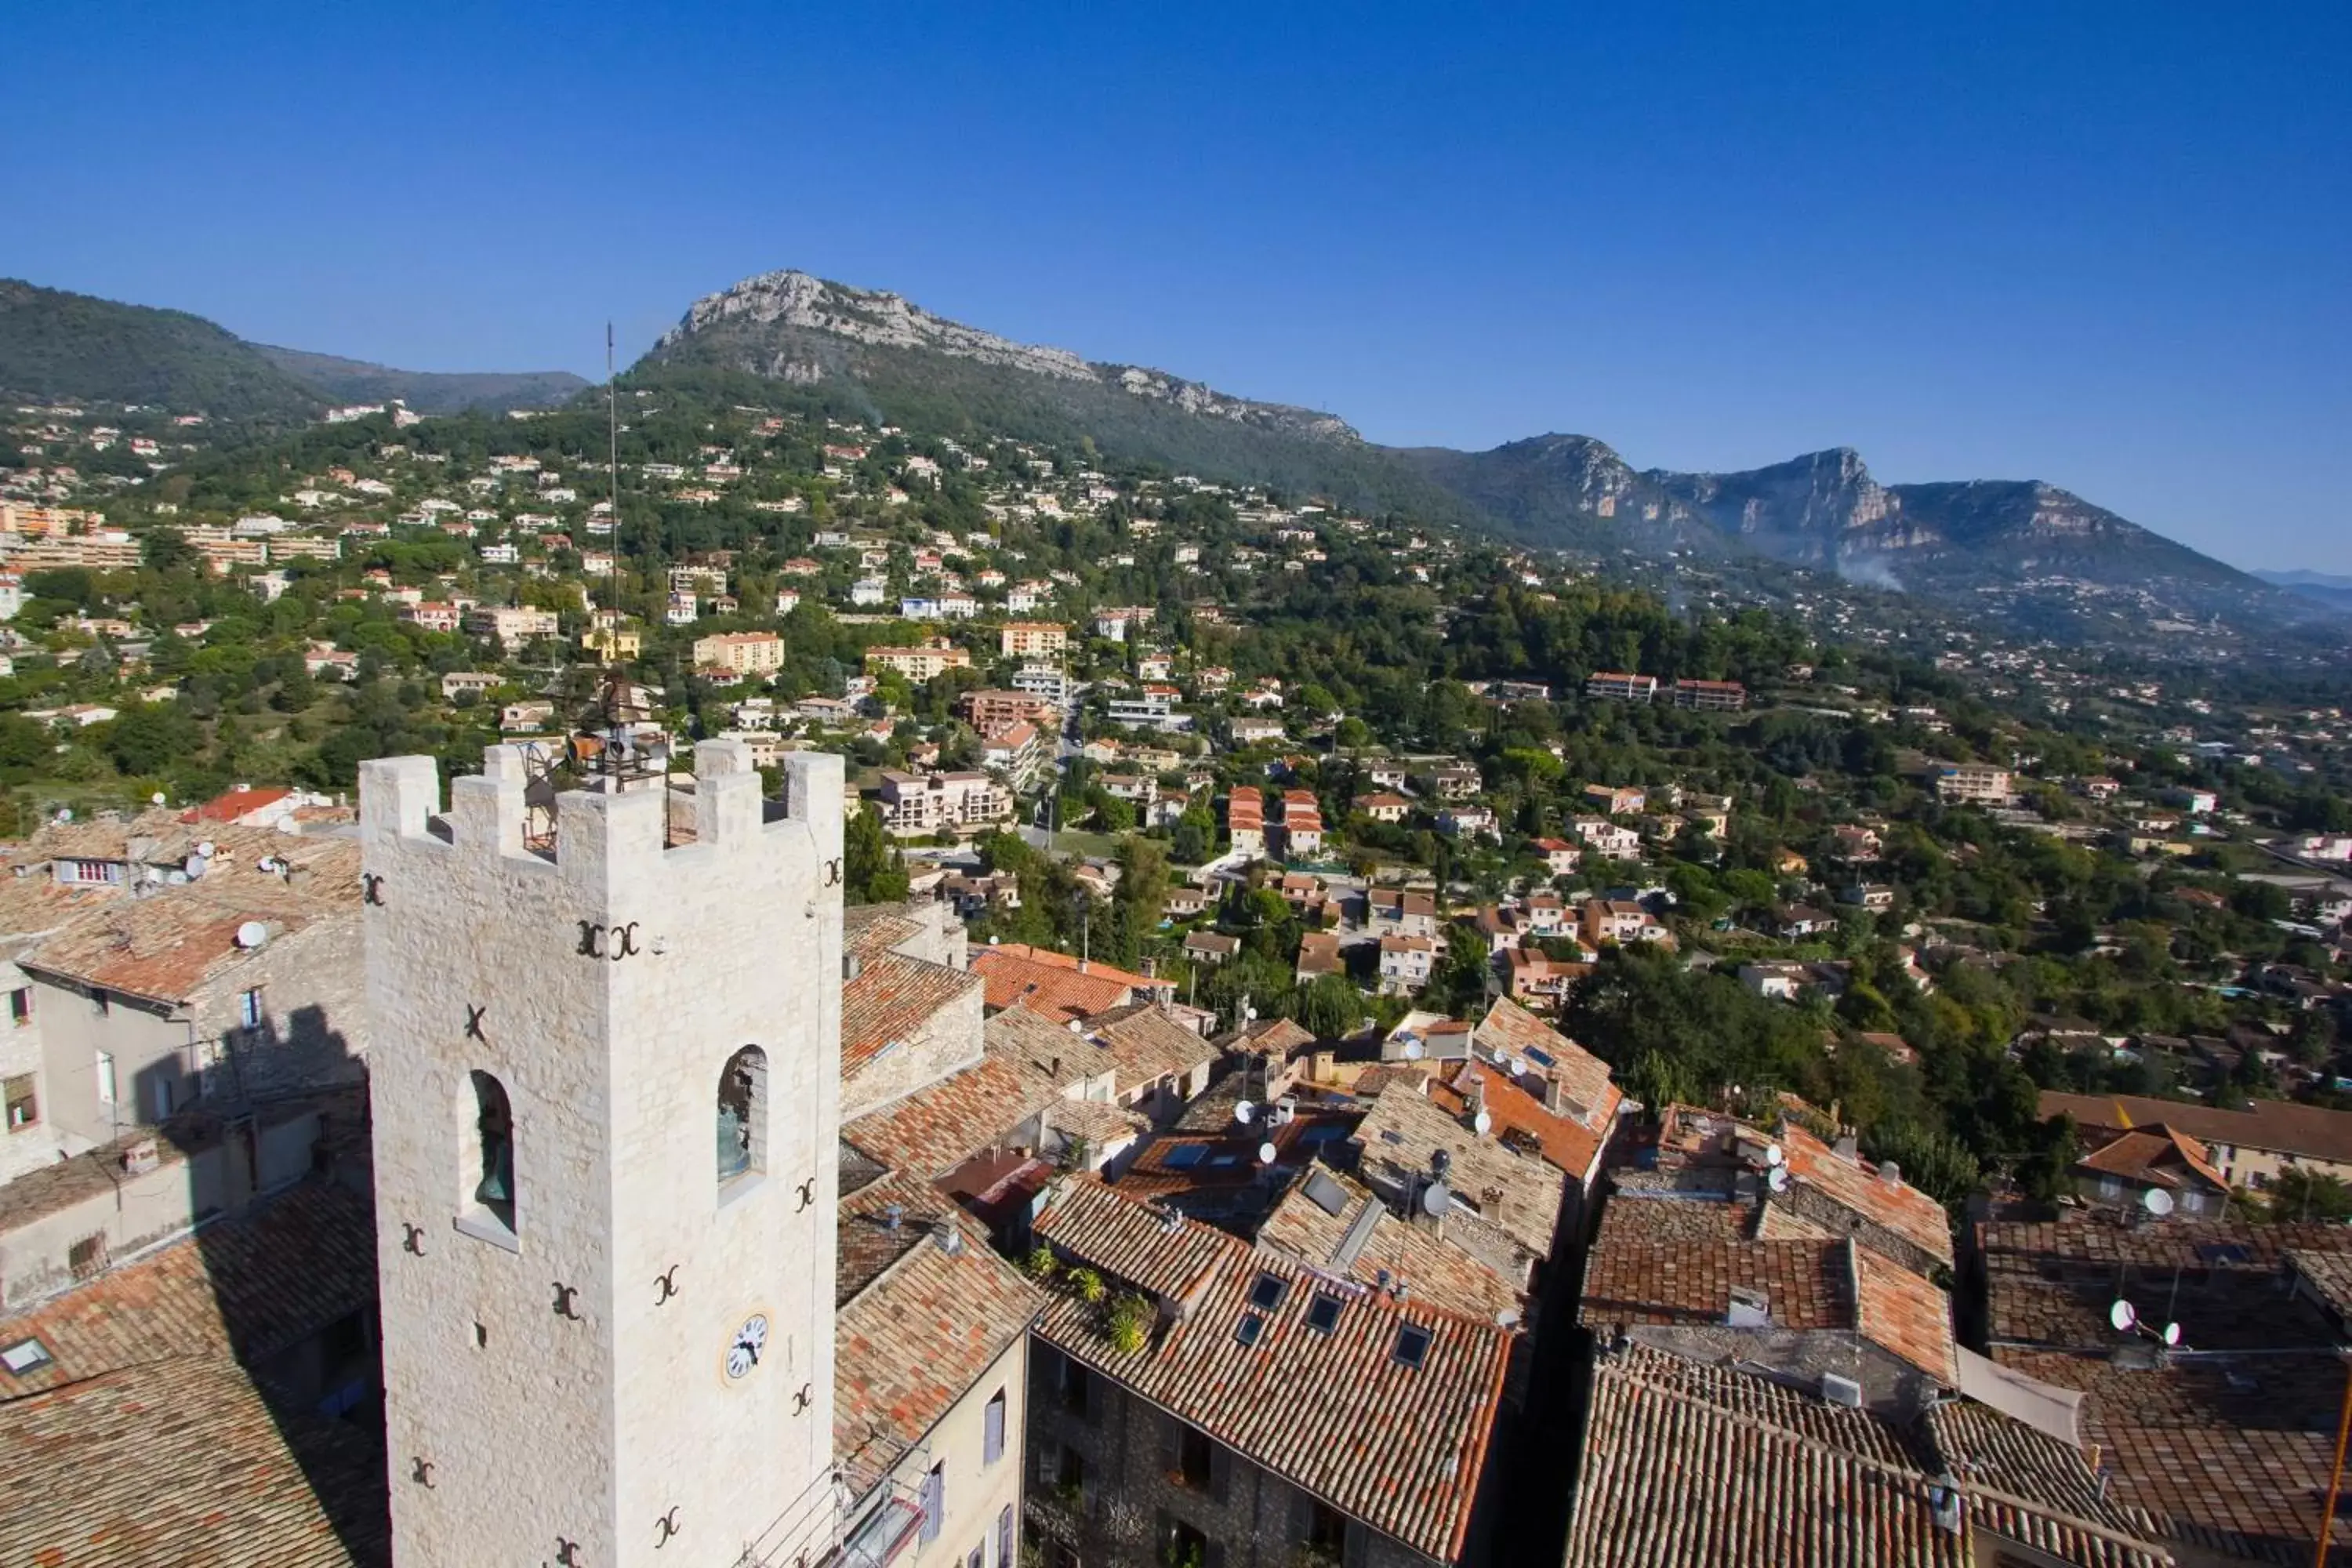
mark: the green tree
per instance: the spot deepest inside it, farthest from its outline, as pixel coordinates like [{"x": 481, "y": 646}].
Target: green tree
[{"x": 872, "y": 871}]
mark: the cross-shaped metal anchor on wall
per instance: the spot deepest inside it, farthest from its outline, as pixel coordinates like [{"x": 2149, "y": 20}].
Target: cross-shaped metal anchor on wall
[{"x": 474, "y": 1022}]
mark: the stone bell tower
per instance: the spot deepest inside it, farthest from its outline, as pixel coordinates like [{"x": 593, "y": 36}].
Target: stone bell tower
[{"x": 607, "y": 1085}]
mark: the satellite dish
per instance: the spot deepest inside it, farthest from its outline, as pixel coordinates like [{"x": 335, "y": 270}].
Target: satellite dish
[
  {"x": 194, "y": 865},
  {"x": 1435, "y": 1199},
  {"x": 1243, "y": 1112},
  {"x": 1518, "y": 1069},
  {"x": 1413, "y": 1050},
  {"x": 2156, "y": 1201},
  {"x": 1778, "y": 1178},
  {"x": 205, "y": 849},
  {"x": 251, "y": 934},
  {"x": 1482, "y": 1124},
  {"x": 155, "y": 799},
  {"x": 2124, "y": 1316},
  {"x": 176, "y": 879},
  {"x": 2171, "y": 1335},
  {"x": 64, "y": 814},
  {"x": 1775, "y": 1156},
  {"x": 1266, "y": 1153}
]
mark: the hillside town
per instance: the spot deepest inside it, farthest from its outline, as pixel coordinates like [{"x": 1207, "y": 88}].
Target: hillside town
[{"x": 1358, "y": 1044}]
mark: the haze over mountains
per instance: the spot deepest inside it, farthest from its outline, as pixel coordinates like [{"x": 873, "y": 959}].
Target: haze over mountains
[
  {"x": 889, "y": 358},
  {"x": 59, "y": 345}
]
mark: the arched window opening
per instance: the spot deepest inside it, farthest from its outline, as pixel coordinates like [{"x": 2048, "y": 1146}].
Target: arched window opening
[
  {"x": 493, "y": 1190},
  {"x": 744, "y": 1115}
]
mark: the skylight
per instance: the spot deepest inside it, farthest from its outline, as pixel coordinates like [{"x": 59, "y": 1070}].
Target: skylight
[
  {"x": 1323, "y": 1313},
  {"x": 1184, "y": 1156},
  {"x": 1250, "y": 1326},
  {"x": 1412, "y": 1345},
  {"x": 1266, "y": 1292},
  {"x": 24, "y": 1356}
]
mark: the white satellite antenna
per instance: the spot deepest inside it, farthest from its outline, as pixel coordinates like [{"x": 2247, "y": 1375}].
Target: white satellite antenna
[
  {"x": 1266, "y": 1153},
  {"x": 2157, "y": 1202},
  {"x": 2171, "y": 1335},
  {"x": 1243, "y": 1110},
  {"x": 157, "y": 799},
  {"x": 1435, "y": 1199},
  {"x": 205, "y": 849},
  {"x": 1518, "y": 1067},
  {"x": 1411, "y": 1049},
  {"x": 1777, "y": 1178},
  {"x": 1482, "y": 1124},
  {"x": 64, "y": 814},
  {"x": 1775, "y": 1156},
  {"x": 194, "y": 865},
  {"x": 252, "y": 935},
  {"x": 2124, "y": 1316}
]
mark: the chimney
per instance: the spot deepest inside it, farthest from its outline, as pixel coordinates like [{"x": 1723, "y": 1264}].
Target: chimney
[
  {"x": 1847, "y": 1147},
  {"x": 1890, "y": 1173},
  {"x": 852, "y": 965},
  {"x": 1055, "y": 1069}
]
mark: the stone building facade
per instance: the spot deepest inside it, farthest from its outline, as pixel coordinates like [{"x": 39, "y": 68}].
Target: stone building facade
[{"x": 606, "y": 1089}]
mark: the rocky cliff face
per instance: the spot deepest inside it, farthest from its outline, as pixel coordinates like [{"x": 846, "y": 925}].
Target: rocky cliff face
[{"x": 762, "y": 325}]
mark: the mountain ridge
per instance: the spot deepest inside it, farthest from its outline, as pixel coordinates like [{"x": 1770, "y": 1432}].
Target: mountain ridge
[
  {"x": 1821, "y": 511},
  {"x": 57, "y": 344}
]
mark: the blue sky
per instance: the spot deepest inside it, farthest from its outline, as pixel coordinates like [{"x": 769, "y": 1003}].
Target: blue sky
[{"x": 2102, "y": 245}]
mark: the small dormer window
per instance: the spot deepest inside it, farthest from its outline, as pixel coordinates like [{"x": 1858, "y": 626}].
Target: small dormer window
[{"x": 1412, "y": 1345}]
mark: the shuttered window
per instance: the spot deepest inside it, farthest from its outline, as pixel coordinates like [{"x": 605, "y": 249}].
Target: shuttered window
[
  {"x": 991, "y": 1441},
  {"x": 935, "y": 1501}
]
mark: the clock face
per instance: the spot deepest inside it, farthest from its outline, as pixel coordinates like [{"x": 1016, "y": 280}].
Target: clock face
[{"x": 743, "y": 1351}]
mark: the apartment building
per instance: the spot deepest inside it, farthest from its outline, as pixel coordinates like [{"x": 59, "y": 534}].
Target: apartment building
[
  {"x": 740, "y": 654},
  {"x": 1973, "y": 783},
  {"x": 1616, "y": 686},
  {"x": 928, "y": 803},
  {"x": 921, "y": 661},
  {"x": 1032, "y": 639}
]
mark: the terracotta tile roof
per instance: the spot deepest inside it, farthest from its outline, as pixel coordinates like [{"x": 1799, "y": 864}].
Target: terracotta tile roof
[
  {"x": 1855, "y": 1186},
  {"x": 242, "y": 1289},
  {"x": 181, "y": 1461},
  {"x": 1583, "y": 1077},
  {"x": 233, "y": 804},
  {"x": 2157, "y": 1155},
  {"x": 1992, "y": 1451},
  {"x": 939, "y": 1127},
  {"x": 1690, "y": 1466},
  {"x": 143, "y": 1441},
  {"x": 1052, "y": 992},
  {"x": 2328, "y": 1276},
  {"x": 2228, "y": 1447},
  {"x": 870, "y": 930},
  {"x": 1267, "y": 1036},
  {"x": 1336, "y": 1414},
  {"x": 1570, "y": 1143},
  {"x": 1300, "y": 1227},
  {"x": 919, "y": 1331},
  {"x": 2279, "y": 1125},
  {"x": 1048, "y": 957},
  {"x": 1779, "y": 1222},
  {"x": 1808, "y": 1283},
  {"x": 1516, "y": 1196},
  {"x": 1147, "y": 1043},
  {"x": 1633, "y": 1275},
  {"x": 1098, "y": 1121},
  {"x": 166, "y": 946},
  {"x": 1907, "y": 1316},
  {"x": 892, "y": 998},
  {"x": 2052, "y": 1284}
]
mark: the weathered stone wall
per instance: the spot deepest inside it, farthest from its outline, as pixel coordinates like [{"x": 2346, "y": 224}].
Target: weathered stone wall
[{"x": 556, "y": 1386}]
